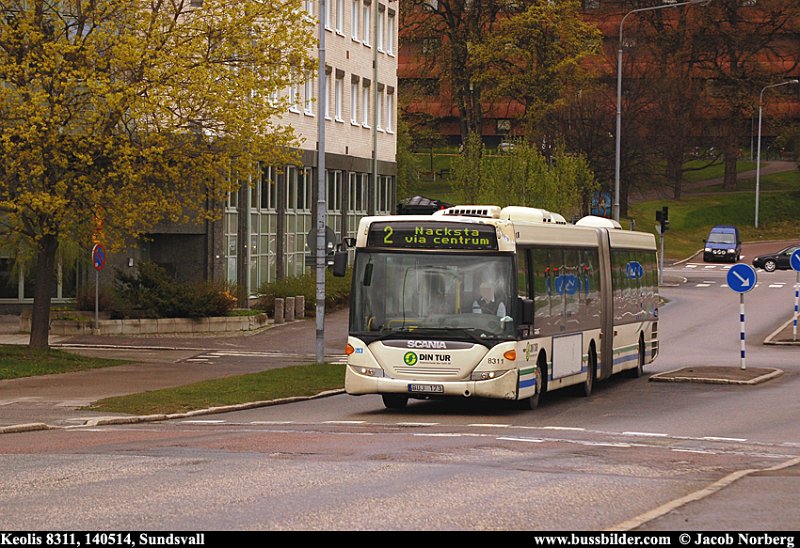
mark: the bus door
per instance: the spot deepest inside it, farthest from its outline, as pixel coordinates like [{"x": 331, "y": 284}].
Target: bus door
[{"x": 607, "y": 309}]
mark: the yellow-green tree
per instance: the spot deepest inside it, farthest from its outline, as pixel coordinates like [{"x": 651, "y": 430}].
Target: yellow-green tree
[{"x": 134, "y": 112}]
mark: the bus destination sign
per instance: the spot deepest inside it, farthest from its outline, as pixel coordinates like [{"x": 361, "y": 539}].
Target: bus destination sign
[{"x": 432, "y": 235}]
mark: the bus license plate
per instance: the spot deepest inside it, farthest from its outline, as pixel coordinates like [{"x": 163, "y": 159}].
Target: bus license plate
[{"x": 426, "y": 388}]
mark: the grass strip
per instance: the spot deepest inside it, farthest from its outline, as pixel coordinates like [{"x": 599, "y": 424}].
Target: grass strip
[
  {"x": 22, "y": 361},
  {"x": 298, "y": 380}
]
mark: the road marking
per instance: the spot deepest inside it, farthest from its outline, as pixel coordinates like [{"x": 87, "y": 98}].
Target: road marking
[
  {"x": 203, "y": 422},
  {"x": 527, "y": 440},
  {"x": 450, "y": 435},
  {"x": 654, "y": 434},
  {"x": 715, "y": 438},
  {"x": 703, "y": 285},
  {"x": 490, "y": 425},
  {"x": 343, "y": 422},
  {"x": 415, "y": 424}
]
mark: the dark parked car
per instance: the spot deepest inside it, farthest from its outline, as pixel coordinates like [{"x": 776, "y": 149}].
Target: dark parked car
[{"x": 776, "y": 261}]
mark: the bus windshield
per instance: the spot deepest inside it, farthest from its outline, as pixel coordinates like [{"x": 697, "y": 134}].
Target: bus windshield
[{"x": 455, "y": 295}]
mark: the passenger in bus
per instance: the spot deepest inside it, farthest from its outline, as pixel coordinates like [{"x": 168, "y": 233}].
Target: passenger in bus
[{"x": 487, "y": 302}]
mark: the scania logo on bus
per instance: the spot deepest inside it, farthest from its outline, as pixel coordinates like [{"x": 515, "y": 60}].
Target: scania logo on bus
[{"x": 427, "y": 344}]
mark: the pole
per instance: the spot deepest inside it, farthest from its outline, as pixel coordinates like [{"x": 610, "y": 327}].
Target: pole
[
  {"x": 619, "y": 94},
  {"x": 741, "y": 327},
  {"x": 321, "y": 207},
  {"x": 796, "y": 300},
  {"x": 97, "y": 300},
  {"x": 758, "y": 156},
  {"x": 661, "y": 260},
  {"x": 619, "y": 126}
]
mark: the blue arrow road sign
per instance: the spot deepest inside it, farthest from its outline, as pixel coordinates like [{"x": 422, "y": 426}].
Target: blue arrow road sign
[
  {"x": 794, "y": 260},
  {"x": 566, "y": 284},
  {"x": 741, "y": 278},
  {"x": 634, "y": 270}
]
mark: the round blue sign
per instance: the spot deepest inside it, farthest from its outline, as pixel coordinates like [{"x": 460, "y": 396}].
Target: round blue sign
[
  {"x": 741, "y": 278},
  {"x": 794, "y": 260}
]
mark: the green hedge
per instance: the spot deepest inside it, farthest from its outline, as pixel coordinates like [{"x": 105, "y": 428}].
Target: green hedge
[
  {"x": 152, "y": 293},
  {"x": 337, "y": 290}
]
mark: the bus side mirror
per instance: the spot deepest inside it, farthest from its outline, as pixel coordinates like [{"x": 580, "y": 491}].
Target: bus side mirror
[
  {"x": 339, "y": 263},
  {"x": 525, "y": 311}
]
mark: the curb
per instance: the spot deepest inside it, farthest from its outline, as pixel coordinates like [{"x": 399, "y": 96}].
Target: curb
[
  {"x": 771, "y": 336},
  {"x": 665, "y": 377},
  {"x": 698, "y": 495},
  {"x": 136, "y": 419}
]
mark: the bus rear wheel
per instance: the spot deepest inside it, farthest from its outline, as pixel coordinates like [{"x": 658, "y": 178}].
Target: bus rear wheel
[{"x": 394, "y": 401}]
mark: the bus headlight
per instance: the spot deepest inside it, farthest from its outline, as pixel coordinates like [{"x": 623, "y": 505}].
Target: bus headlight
[
  {"x": 367, "y": 371},
  {"x": 486, "y": 375}
]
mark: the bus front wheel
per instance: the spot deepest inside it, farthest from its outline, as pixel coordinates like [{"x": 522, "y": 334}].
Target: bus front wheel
[
  {"x": 588, "y": 384},
  {"x": 638, "y": 371},
  {"x": 394, "y": 401}
]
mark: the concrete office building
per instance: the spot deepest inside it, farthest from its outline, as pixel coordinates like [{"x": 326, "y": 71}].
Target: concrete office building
[{"x": 263, "y": 229}]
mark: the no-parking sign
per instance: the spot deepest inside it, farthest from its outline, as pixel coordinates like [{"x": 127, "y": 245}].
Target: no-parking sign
[{"x": 98, "y": 257}]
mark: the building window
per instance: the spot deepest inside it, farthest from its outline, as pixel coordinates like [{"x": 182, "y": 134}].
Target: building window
[
  {"x": 389, "y": 124},
  {"x": 355, "y": 9},
  {"x": 379, "y": 30},
  {"x": 365, "y": 89},
  {"x": 390, "y": 30},
  {"x": 333, "y": 196},
  {"x": 366, "y": 12},
  {"x": 308, "y": 105},
  {"x": 339, "y": 16},
  {"x": 291, "y": 187},
  {"x": 330, "y": 14},
  {"x": 379, "y": 109},
  {"x": 354, "y": 101},
  {"x": 328, "y": 88},
  {"x": 308, "y": 5},
  {"x": 269, "y": 188},
  {"x": 304, "y": 189},
  {"x": 294, "y": 94},
  {"x": 339, "y": 91}
]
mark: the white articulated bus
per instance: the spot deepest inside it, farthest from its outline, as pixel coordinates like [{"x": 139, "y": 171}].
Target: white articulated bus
[{"x": 511, "y": 303}]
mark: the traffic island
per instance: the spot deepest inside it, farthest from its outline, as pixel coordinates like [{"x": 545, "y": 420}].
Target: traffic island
[{"x": 718, "y": 375}]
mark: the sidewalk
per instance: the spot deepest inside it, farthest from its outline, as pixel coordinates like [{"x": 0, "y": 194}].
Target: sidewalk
[{"x": 54, "y": 401}]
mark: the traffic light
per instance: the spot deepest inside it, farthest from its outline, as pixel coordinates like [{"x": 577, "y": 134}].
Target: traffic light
[{"x": 663, "y": 217}]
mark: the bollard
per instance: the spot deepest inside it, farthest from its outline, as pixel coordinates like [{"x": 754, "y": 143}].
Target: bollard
[
  {"x": 278, "y": 310},
  {"x": 299, "y": 307},
  {"x": 289, "y": 311}
]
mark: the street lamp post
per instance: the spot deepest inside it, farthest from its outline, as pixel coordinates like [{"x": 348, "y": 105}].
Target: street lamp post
[
  {"x": 619, "y": 93},
  {"x": 758, "y": 154}
]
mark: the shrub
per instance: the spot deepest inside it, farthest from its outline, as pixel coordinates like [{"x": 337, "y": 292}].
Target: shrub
[
  {"x": 337, "y": 290},
  {"x": 152, "y": 293}
]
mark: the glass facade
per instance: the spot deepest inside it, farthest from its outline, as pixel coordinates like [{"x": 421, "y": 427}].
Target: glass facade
[{"x": 282, "y": 210}]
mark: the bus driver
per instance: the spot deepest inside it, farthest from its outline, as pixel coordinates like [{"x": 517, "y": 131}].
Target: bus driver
[{"x": 487, "y": 303}]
